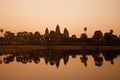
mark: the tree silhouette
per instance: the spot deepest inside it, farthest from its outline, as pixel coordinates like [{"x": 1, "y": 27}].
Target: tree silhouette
[
  {"x": 85, "y": 29},
  {"x": 9, "y": 36},
  {"x": 83, "y": 36},
  {"x": 74, "y": 36},
  {"x": 19, "y": 37},
  {"x": 1, "y": 30},
  {"x": 25, "y": 34},
  {"x": 7, "y": 33},
  {"x": 84, "y": 59},
  {"x": 109, "y": 37},
  {"x": 111, "y": 31},
  {"x": 97, "y": 37},
  {"x": 31, "y": 38},
  {"x": 56, "y": 37},
  {"x": 37, "y": 37},
  {"x": 25, "y": 37}
]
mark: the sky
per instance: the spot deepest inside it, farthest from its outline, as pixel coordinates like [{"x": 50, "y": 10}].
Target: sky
[{"x": 36, "y": 15}]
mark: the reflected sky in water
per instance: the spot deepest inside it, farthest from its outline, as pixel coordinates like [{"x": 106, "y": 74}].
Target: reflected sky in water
[{"x": 73, "y": 69}]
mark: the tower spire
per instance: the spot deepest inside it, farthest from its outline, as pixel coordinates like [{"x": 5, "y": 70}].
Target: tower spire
[
  {"x": 58, "y": 29},
  {"x": 46, "y": 32},
  {"x": 66, "y": 33}
]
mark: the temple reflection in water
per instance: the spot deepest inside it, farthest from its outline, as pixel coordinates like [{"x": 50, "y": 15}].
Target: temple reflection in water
[{"x": 53, "y": 57}]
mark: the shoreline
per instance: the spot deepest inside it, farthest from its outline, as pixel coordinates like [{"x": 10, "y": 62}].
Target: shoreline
[{"x": 65, "y": 47}]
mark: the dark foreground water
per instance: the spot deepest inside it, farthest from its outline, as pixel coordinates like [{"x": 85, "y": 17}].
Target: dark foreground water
[{"x": 60, "y": 65}]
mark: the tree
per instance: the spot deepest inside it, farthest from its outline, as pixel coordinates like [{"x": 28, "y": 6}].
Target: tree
[
  {"x": 6, "y": 34},
  {"x": 84, "y": 59},
  {"x": 25, "y": 36},
  {"x": 109, "y": 37},
  {"x": 19, "y": 37},
  {"x": 85, "y": 29},
  {"x": 74, "y": 36},
  {"x": 12, "y": 36},
  {"x": 9, "y": 36},
  {"x": 37, "y": 37},
  {"x": 111, "y": 31},
  {"x": 31, "y": 38},
  {"x": 83, "y": 37},
  {"x": 98, "y": 37},
  {"x": 1, "y": 30}
]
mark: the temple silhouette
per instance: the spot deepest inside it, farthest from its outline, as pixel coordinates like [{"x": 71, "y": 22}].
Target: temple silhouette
[
  {"x": 54, "y": 57},
  {"x": 58, "y": 38}
]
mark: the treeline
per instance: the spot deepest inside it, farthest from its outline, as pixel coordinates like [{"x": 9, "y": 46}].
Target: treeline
[{"x": 58, "y": 38}]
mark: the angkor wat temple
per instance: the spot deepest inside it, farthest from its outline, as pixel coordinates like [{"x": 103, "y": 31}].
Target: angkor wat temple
[{"x": 58, "y": 38}]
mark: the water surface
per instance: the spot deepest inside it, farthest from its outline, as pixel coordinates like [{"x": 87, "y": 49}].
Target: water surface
[{"x": 60, "y": 65}]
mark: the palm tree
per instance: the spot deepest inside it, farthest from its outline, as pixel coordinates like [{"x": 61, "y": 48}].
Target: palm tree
[
  {"x": 84, "y": 36},
  {"x": 85, "y": 29},
  {"x": 1, "y": 30},
  {"x": 84, "y": 59}
]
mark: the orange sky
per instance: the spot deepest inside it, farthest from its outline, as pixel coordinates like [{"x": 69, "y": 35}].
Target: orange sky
[{"x": 36, "y": 15}]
